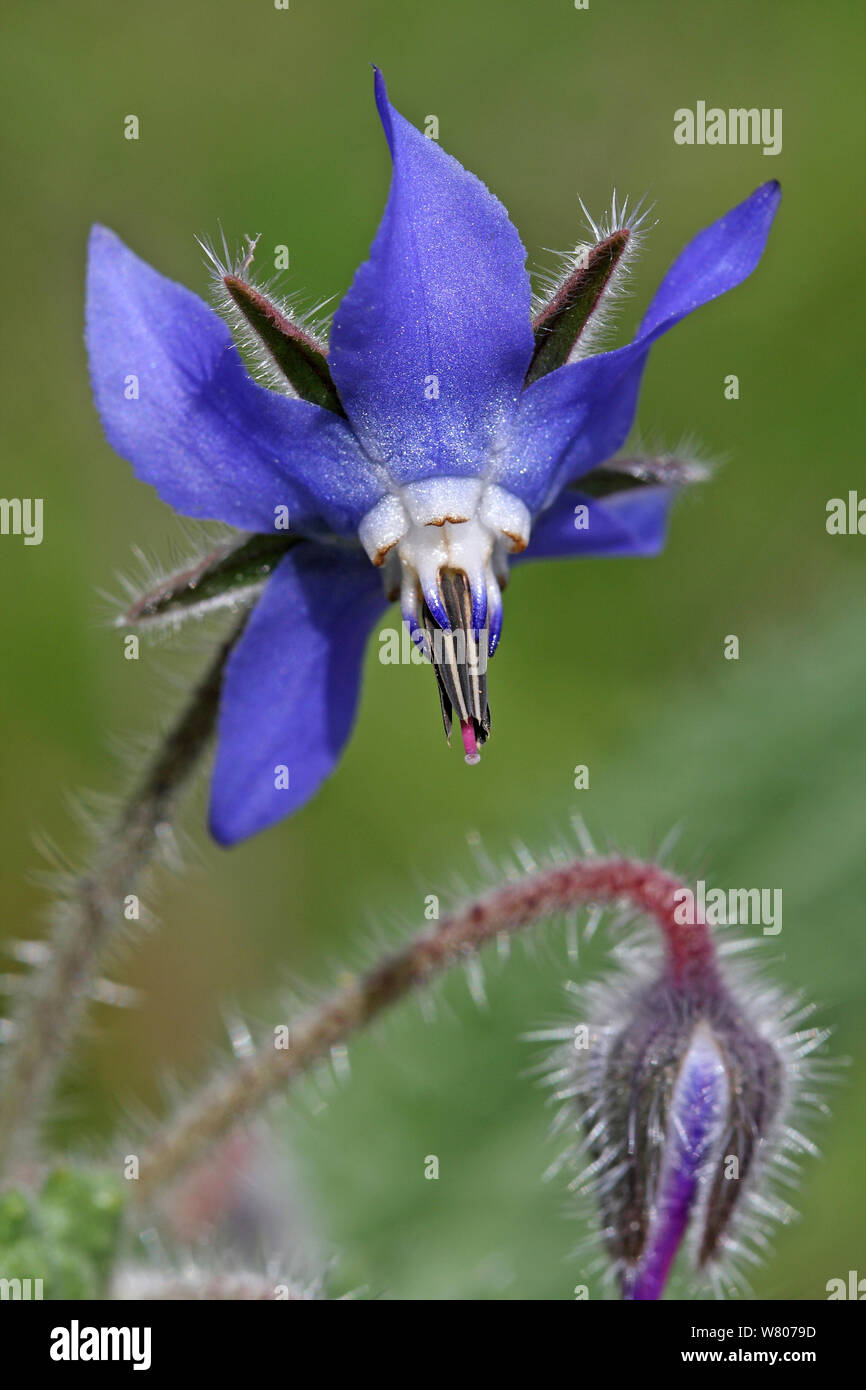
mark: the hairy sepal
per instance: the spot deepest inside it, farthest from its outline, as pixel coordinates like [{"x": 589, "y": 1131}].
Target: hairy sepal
[
  {"x": 284, "y": 351},
  {"x": 294, "y": 353},
  {"x": 560, "y": 322},
  {"x": 224, "y": 577},
  {"x": 630, "y": 474}
]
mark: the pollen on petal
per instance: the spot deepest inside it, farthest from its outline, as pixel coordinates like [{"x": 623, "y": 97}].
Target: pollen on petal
[{"x": 467, "y": 730}]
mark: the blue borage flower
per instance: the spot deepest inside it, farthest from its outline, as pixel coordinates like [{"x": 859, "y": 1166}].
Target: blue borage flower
[{"x": 436, "y": 439}]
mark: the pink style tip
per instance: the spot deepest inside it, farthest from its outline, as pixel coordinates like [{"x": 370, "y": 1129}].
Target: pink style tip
[{"x": 468, "y": 731}]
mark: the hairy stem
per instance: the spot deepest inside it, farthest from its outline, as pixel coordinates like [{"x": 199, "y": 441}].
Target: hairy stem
[
  {"x": 235, "y": 1095},
  {"x": 53, "y": 1007}
]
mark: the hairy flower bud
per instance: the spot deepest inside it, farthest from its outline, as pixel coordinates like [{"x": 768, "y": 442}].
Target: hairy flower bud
[
  {"x": 682, "y": 1084},
  {"x": 691, "y": 1092}
]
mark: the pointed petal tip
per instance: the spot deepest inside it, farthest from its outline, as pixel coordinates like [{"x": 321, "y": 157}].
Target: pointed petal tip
[
  {"x": 228, "y": 830},
  {"x": 383, "y": 105},
  {"x": 769, "y": 193},
  {"x": 221, "y": 830},
  {"x": 101, "y": 238},
  {"x": 380, "y": 88}
]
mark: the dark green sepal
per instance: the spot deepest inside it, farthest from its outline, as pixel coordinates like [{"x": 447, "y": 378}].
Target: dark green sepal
[
  {"x": 562, "y": 320},
  {"x": 295, "y": 353},
  {"x": 223, "y": 572},
  {"x": 629, "y": 474}
]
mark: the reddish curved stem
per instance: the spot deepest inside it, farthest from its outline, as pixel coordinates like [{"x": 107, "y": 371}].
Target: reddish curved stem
[{"x": 232, "y": 1097}]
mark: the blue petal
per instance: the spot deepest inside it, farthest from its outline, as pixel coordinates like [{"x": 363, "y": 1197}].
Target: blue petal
[
  {"x": 430, "y": 347},
  {"x": 291, "y": 687},
  {"x": 629, "y": 523},
  {"x": 579, "y": 415},
  {"x": 211, "y": 441}
]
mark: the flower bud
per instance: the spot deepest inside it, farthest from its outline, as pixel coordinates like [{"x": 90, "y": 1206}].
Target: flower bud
[{"x": 683, "y": 1086}]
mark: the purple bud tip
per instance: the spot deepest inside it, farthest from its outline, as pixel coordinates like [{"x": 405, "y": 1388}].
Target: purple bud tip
[{"x": 699, "y": 1107}]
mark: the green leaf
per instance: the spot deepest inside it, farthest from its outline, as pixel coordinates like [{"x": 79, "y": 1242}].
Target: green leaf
[
  {"x": 14, "y": 1217},
  {"x": 564, "y": 317},
  {"x": 67, "y": 1234}
]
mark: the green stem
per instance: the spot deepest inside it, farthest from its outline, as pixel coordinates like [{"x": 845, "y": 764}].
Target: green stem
[{"x": 53, "y": 1008}]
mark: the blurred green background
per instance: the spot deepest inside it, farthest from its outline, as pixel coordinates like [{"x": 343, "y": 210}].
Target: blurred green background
[{"x": 263, "y": 121}]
